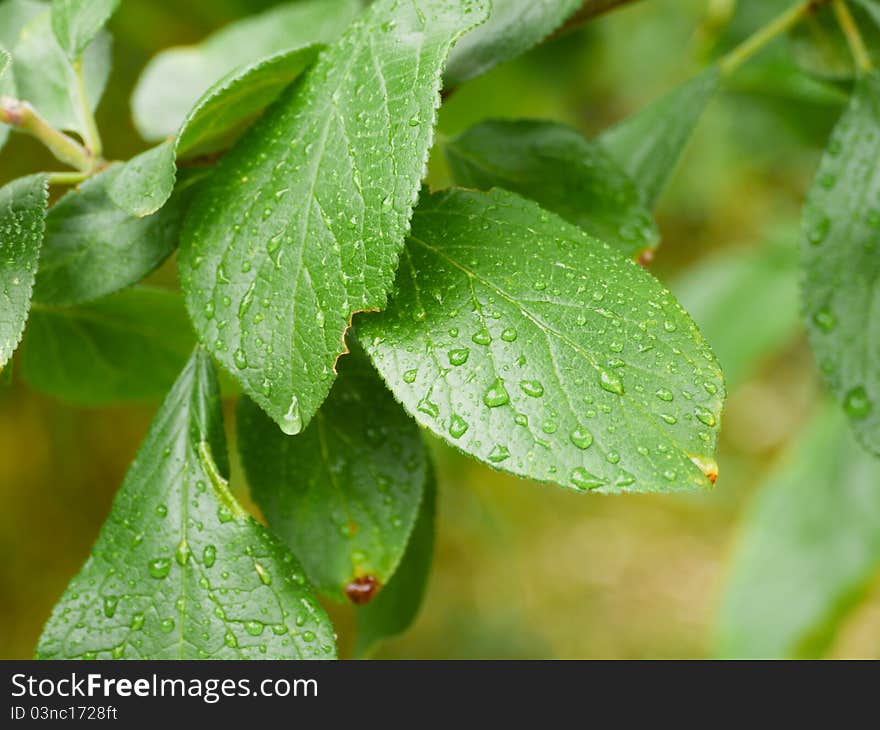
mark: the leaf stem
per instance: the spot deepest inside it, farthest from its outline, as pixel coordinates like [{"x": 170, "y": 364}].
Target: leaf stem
[
  {"x": 763, "y": 36},
  {"x": 92, "y": 136},
  {"x": 67, "y": 178},
  {"x": 853, "y": 37},
  {"x": 23, "y": 116}
]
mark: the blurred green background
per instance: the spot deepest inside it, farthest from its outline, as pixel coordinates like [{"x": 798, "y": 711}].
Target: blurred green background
[{"x": 522, "y": 570}]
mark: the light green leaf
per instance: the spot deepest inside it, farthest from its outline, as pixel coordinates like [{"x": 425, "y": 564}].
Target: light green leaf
[
  {"x": 94, "y": 248},
  {"x": 175, "y": 79},
  {"x": 77, "y": 22},
  {"x": 808, "y": 549},
  {"x": 563, "y": 171},
  {"x": 513, "y": 27},
  {"x": 396, "y": 607},
  {"x": 22, "y": 223},
  {"x": 146, "y": 181},
  {"x": 745, "y": 302},
  {"x": 7, "y": 88},
  {"x": 649, "y": 143},
  {"x": 126, "y": 347},
  {"x": 15, "y": 15},
  {"x": 841, "y": 262},
  {"x": 303, "y": 221},
  {"x": 180, "y": 570},
  {"x": 345, "y": 493},
  {"x": 535, "y": 348},
  {"x": 46, "y": 78}
]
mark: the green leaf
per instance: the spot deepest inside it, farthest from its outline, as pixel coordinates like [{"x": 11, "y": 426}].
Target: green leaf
[
  {"x": 180, "y": 570},
  {"x": 94, "y": 248},
  {"x": 7, "y": 88},
  {"x": 15, "y": 15},
  {"x": 303, "y": 221},
  {"x": 808, "y": 549},
  {"x": 22, "y": 223},
  {"x": 513, "y": 27},
  {"x": 46, "y": 78},
  {"x": 396, "y": 607},
  {"x": 563, "y": 171},
  {"x": 175, "y": 79},
  {"x": 146, "y": 181},
  {"x": 540, "y": 351},
  {"x": 649, "y": 143},
  {"x": 841, "y": 262},
  {"x": 77, "y": 22},
  {"x": 345, "y": 493},
  {"x": 746, "y": 302},
  {"x": 126, "y": 347}
]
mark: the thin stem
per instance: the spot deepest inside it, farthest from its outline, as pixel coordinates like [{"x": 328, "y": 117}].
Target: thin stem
[
  {"x": 763, "y": 36},
  {"x": 23, "y": 116},
  {"x": 67, "y": 178},
  {"x": 853, "y": 37},
  {"x": 91, "y": 135}
]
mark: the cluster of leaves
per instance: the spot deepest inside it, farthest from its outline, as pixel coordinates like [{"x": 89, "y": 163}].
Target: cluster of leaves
[{"x": 350, "y": 305}]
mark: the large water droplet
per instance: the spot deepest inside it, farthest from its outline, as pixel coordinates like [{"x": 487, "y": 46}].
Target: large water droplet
[
  {"x": 857, "y": 404},
  {"x": 532, "y": 388},
  {"x": 160, "y": 567},
  {"x": 457, "y": 426},
  {"x": 291, "y": 423},
  {"x": 610, "y": 382},
  {"x": 496, "y": 395},
  {"x": 459, "y": 356},
  {"x": 582, "y": 479}
]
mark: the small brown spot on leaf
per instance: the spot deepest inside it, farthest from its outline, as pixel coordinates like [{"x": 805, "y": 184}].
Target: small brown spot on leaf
[
  {"x": 362, "y": 589},
  {"x": 645, "y": 258}
]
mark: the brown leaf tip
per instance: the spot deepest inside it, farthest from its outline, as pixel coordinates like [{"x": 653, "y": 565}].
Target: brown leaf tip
[{"x": 362, "y": 589}]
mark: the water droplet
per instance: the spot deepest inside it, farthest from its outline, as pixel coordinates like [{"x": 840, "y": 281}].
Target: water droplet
[
  {"x": 705, "y": 416},
  {"x": 459, "y": 356},
  {"x": 664, "y": 394},
  {"x": 137, "y": 621},
  {"x": 230, "y": 640},
  {"x": 181, "y": 554},
  {"x": 532, "y": 388},
  {"x": 610, "y": 383},
  {"x": 254, "y": 628},
  {"x": 857, "y": 404},
  {"x": 167, "y": 625},
  {"x": 291, "y": 424},
  {"x": 160, "y": 567},
  {"x": 161, "y": 510},
  {"x": 482, "y": 337},
  {"x": 209, "y": 555},
  {"x": 819, "y": 231},
  {"x": 509, "y": 334},
  {"x": 496, "y": 395},
  {"x": 110, "y": 604},
  {"x": 825, "y": 319},
  {"x": 239, "y": 358},
  {"x": 428, "y": 407},
  {"x": 582, "y": 479},
  {"x": 498, "y": 454},
  {"x": 581, "y": 438},
  {"x": 265, "y": 576},
  {"x": 457, "y": 426},
  {"x": 224, "y": 514},
  {"x": 410, "y": 376}
]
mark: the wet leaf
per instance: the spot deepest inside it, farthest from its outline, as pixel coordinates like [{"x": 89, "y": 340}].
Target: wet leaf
[
  {"x": 537, "y": 349},
  {"x": 303, "y": 221},
  {"x": 77, "y": 22},
  {"x": 180, "y": 570},
  {"x": 559, "y": 168},
  {"x": 841, "y": 259},
  {"x": 345, "y": 493},
  {"x": 22, "y": 223}
]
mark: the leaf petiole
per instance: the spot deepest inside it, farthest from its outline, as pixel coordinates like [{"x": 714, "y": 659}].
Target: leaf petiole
[
  {"x": 23, "y": 116},
  {"x": 92, "y": 136},
  {"x": 853, "y": 37}
]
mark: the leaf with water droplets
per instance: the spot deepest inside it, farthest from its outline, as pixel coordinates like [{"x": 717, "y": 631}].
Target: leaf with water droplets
[
  {"x": 649, "y": 143},
  {"x": 94, "y": 248},
  {"x": 343, "y": 494},
  {"x": 77, "y": 22},
  {"x": 146, "y": 181},
  {"x": 563, "y": 171},
  {"x": 602, "y": 357},
  {"x": 303, "y": 221},
  {"x": 129, "y": 346},
  {"x": 513, "y": 27},
  {"x": 22, "y": 223},
  {"x": 180, "y": 570},
  {"x": 174, "y": 79},
  {"x": 397, "y": 606},
  {"x": 841, "y": 260},
  {"x": 809, "y": 547}
]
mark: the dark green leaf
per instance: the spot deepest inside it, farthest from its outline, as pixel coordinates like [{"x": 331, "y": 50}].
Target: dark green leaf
[
  {"x": 649, "y": 143},
  {"x": 93, "y": 248},
  {"x": 397, "y": 606},
  {"x": 175, "y": 79},
  {"x": 513, "y": 27},
  {"x": 841, "y": 260},
  {"x": 535, "y": 348},
  {"x": 303, "y": 221},
  {"x": 560, "y": 169},
  {"x": 126, "y": 347},
  {"x": 22, "y": 223},
  {"x": 146, "y": 182},
  {"x": 345, "y": 493},
  {"x": 809, "y": 548},
  {"x": 180, "y": 570},
  {"x": 77, "y": 22}
]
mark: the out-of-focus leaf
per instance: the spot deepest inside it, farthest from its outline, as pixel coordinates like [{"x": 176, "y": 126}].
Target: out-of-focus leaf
[
  {"x": 302, "y": 223},
  {"x": 22, "y": 223},
  {"x": 180, "y": 570},
  {"x": 649, "y": 143},
  {"x": 746, "y": 303},
  {"x": 819, "y": 46},
  {"x": 841, "y": 259},
  {"x": 345, "y": 493},
  {"x": 513, "y": 27},
  {"x": 7, "y": 88},
  {"x": 810, "y": 546},
  {"x": 146, "y": 182},
  {"x": 396, "y": 607},
  {"x": 174, "y": 80},
  {"x": 126, "y": 347},
  {"x": 77, "y": 22},
  {"x": 15, "y": 15},
  {"x": 528, "y": 344},
  {"x": 563, "y": 171}
]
